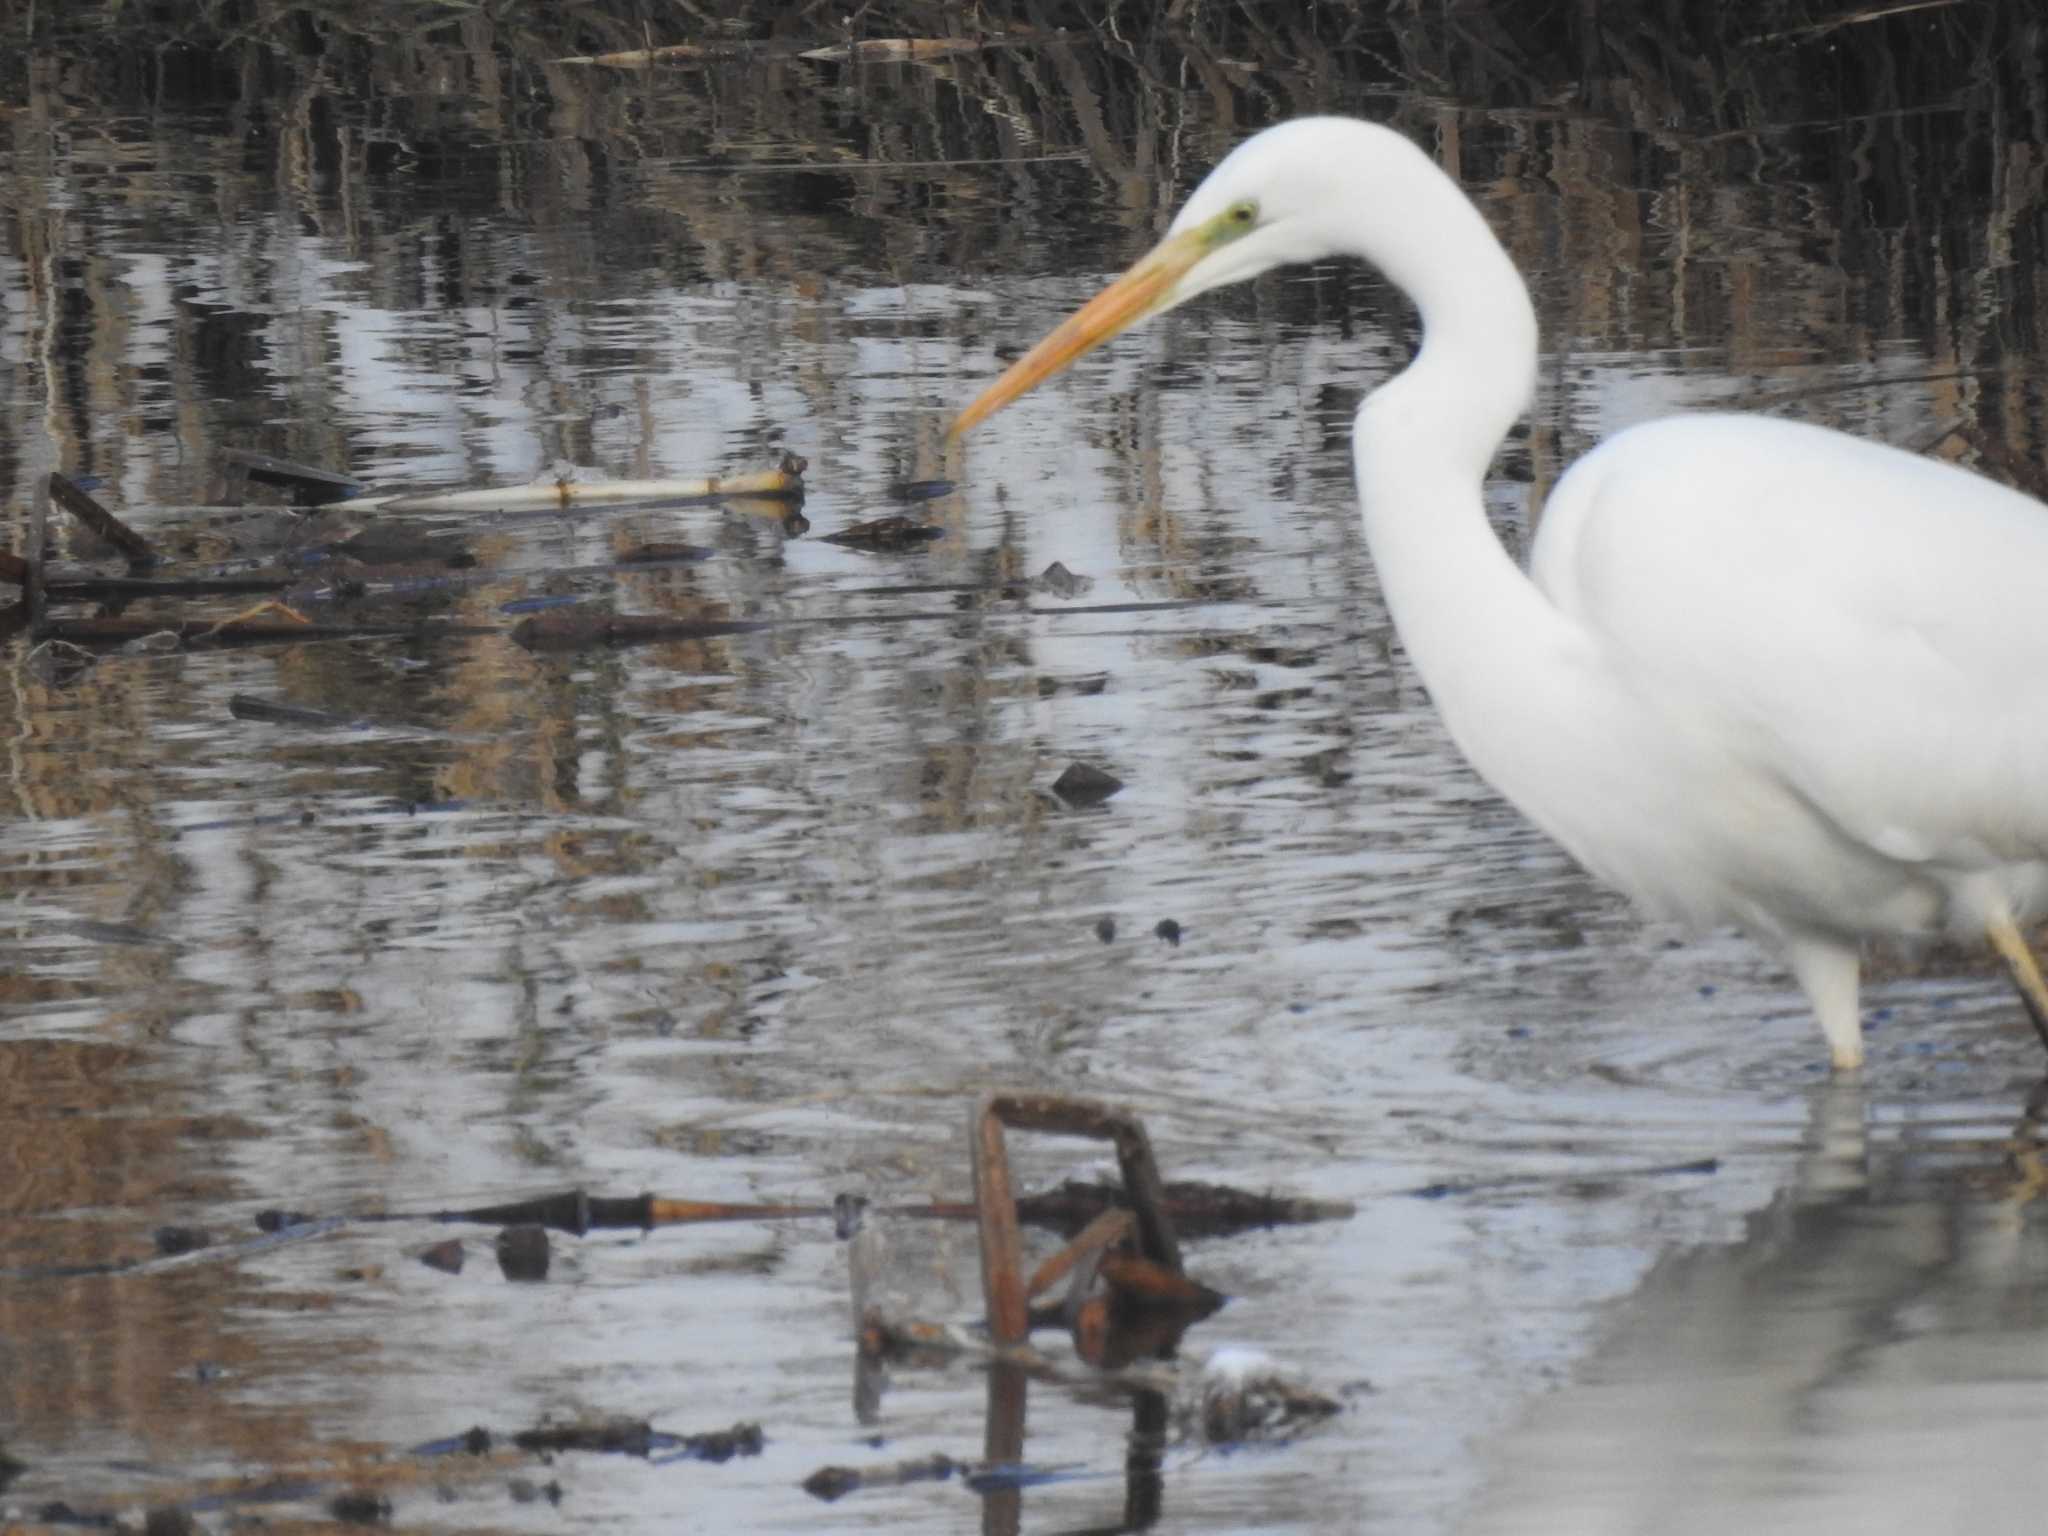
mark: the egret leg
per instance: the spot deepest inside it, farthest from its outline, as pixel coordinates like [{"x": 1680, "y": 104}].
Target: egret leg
[
  {"x": 1828, "y": 971},
  {"x": 2012, "y": 948}
]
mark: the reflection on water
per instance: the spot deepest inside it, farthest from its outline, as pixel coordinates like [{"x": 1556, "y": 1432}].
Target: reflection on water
[
  {"x": 1867, "y": 1356},
  {"x": 752, "y": 916}
]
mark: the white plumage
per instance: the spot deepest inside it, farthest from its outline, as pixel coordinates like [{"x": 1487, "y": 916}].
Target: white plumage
[{"x": 1757, "y": 672}]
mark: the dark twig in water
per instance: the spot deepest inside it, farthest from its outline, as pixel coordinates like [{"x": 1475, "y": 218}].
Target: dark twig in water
[
  {"x": 310, "y": 485},
  {"x": 1201, "y": 1209},
  {"x": 184, "y": 1257},
  {"x": 829, "y": 1483},
  {"x": 89, "y": 587},
  {"x": 246, "y": 706},
  {"x": 237, "y": 631},
  {"x": 1704, "y": 1165},
  {"x": 68, "y": 495}
]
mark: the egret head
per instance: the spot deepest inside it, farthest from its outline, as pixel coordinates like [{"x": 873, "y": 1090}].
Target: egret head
[{"x": 1257, "y": 210}]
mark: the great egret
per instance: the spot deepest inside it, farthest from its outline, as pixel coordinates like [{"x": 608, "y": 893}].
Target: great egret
[{"x": 1757, "y": 672}]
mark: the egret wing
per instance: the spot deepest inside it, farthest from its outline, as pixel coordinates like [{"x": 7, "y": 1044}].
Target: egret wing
[{"x": 1867, "y": 624}]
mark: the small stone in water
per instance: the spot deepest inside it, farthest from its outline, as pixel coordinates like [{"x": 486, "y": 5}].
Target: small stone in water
[
  {"x": 1083, "y": 785},
  {"x": 1061, "y": 582},
  {"x": 446, "y": 1257}
]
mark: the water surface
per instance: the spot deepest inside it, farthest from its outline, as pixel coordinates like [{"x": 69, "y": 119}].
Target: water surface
[{"x": 754, "y": 917}]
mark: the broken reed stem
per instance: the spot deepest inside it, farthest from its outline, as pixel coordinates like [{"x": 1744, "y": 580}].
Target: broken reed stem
[{"x": 68, "y": 495}]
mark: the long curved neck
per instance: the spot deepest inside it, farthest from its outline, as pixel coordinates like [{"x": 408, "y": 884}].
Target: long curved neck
[{"x": 1476, "y": 627}]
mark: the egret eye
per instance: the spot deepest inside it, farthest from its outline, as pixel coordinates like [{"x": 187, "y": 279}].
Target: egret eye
[{"x": 1233, "y": 223}]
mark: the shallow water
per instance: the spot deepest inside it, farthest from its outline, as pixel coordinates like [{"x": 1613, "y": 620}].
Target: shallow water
[{"x": 755, "y": 917}]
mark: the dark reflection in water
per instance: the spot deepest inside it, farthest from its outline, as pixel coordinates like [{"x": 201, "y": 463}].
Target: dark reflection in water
[{"x": 750, "y": 916}]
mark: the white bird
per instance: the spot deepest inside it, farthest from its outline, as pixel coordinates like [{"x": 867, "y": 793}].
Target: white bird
[{"x": 1757, "y": 673}]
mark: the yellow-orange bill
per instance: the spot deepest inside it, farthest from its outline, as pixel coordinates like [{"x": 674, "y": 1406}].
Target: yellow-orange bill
[{"x": 1139, "y": 292}]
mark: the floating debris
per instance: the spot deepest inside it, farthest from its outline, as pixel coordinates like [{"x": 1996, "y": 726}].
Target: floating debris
[
  {"x": 575, "y": 629},
  {"x": 473, "y": 1441},
  {"x": 636, "y": 1437},
  {"x": 59, "y": 663},
  {"x": 1204, "y": 1209},
  {"x": 576, "y": 1213},
  {"x": 1596, "y": 1181},
  {"x": 1085, "y": 686},
  {"x": 830, "y": 1483},
  {"x": 175, "y": 1240},
  {"x": 1061, "y": 582},
  {"x": 90, "y": 587},
  {"x": 665, "y": 554},
  {"x": 1128, "y": 1302},
  {"x": 240, "y": 630},
  {"x": 1196, "y": 1206},
  {"x": 1122, "y": 1307},
  {"x": 360, "y": 1507},
  {"x": 718, "y": 1445},
  {"x": 268, "y": 611},
  {"x": 447, "y": 1256},
  {"x": 885, "y": 534},
  {"x": 1081, "y": 785},
  {"x": 523, "y": 1253},
  {"x": 275, "y": 1237},
  {"x": 105, "y": 933},
  {"x": 404, "y": 544},
  {"x": 247, "y": 706},
  {"x": 785, "y": 482},
  {"x": 69, "y": 495},
  {"x": 775, "y": 509},
  {"x": 1246, "y": 1396},
  {"x": 921, "y": 490},
  {"x": 310, "y": 486},
  {"x": 1003, "y": 1288},
  {"x": 606, "y": 1437}
]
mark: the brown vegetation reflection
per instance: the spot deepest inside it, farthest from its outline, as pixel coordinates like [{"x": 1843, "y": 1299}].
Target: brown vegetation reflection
[{"x": 1759, "y": 178}]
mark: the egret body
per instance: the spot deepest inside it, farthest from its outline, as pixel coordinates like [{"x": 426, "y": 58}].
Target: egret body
[{"x": 1757, "y": 672}]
